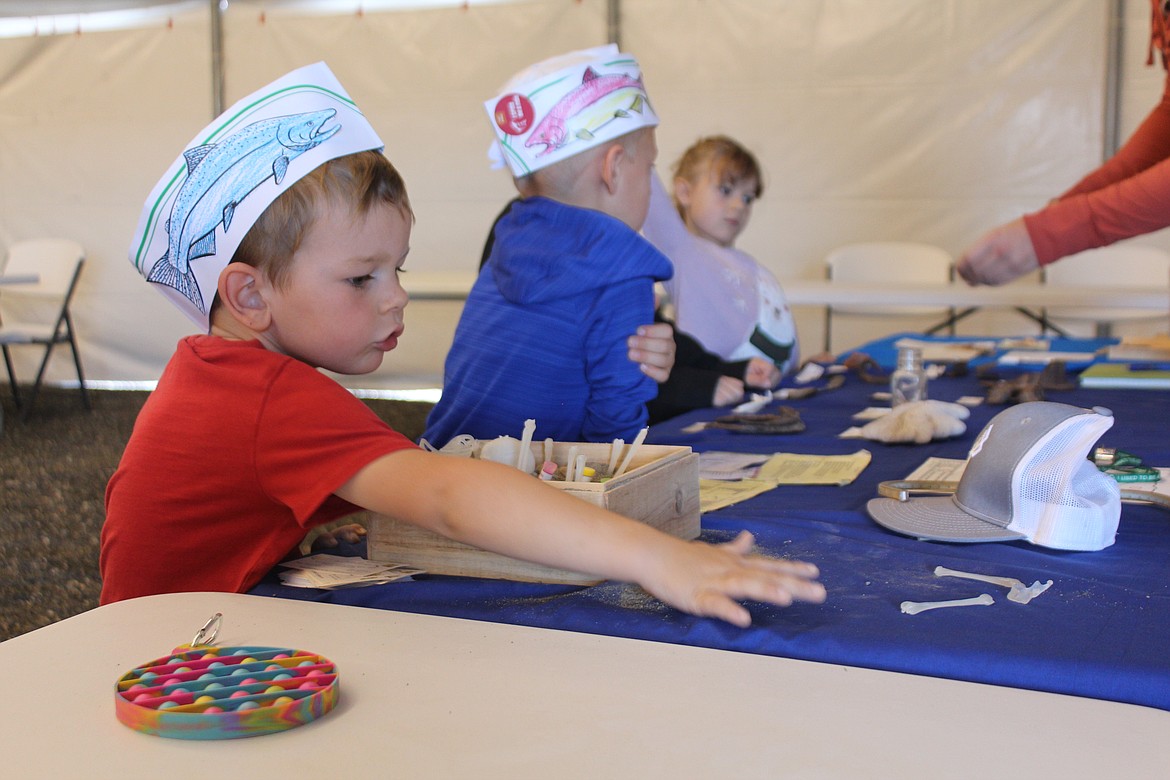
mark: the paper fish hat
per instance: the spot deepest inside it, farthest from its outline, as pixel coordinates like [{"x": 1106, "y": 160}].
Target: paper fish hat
[
  {"x": 210, "y": 197},
  {"x": 565, "y": 105}
]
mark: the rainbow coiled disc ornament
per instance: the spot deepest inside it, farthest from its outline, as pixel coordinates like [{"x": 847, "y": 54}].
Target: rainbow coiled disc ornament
[{"x": 205, "y": 692}]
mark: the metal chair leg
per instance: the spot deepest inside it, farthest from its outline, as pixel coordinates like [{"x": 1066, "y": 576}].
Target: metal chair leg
[
  {"x": 77, "y": 364},
  {"x": 36, "y": 388},
  {"x": 12, "y": 377}
]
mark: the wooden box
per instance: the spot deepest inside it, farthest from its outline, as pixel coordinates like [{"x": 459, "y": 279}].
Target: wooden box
[{"x": 660, "y": 488}]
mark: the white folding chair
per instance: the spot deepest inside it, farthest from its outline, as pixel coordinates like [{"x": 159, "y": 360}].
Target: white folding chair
[
  {"x": 1119, "y": 264},
  {"x": 37, "y": 314},
  {"x": 885, "y": 262}
]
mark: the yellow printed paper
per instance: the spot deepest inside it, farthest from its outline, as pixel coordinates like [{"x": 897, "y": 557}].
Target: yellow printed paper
[
  {"x": 786, "y": 468},
  {"x": 716, "y": 494},
  {"x": 783, "y": 468}
]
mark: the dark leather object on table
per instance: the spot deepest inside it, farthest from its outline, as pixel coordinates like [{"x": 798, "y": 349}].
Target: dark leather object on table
[
  {"x": 784, "y": 419},
  {"x": 1025, "y": 387}
]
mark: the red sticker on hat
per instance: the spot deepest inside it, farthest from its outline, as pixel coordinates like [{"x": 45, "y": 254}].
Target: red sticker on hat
[{"x": 514, "y": 114}]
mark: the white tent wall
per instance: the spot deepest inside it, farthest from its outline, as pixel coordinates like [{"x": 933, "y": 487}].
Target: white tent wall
[
  {"x": 421, "y": 76},
  {"x": 890, "y": 120},
  {"x": 928, "y": 120},
  {"x": 87, "y": 124}
]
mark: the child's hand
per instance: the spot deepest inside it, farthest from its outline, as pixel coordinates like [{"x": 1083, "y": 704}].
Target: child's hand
[
  {"x": 709, "y": 580},
  {"x": 495, "y": 507},
  {"x": 652, "y": 348},
  {"x": 761, "y": 373},
  {"x": 350, "y": 533},
  {"x": 728, "y": 391}
]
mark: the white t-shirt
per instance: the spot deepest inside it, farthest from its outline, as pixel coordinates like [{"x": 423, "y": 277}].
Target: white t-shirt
[{"x": 721, "y": 296}]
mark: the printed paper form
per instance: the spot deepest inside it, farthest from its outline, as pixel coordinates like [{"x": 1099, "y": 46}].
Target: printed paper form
[
  {"x": 334, "y": 571},
  {"x": 716, "y": 493},
  {"x": 939, "y": 470},
  {"x": 948, "y": 352},
  {"x": 786, "y": 468},
  {"x": 1145, "y": 348},
  {"x": 717, "y": 464},
  {"x": 782, "y": 468},
  {"x": 1023, "y": 357}
]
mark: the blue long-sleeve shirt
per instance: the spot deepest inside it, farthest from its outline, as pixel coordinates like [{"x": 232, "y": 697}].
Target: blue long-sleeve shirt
[{"x": 543, "y": 333}]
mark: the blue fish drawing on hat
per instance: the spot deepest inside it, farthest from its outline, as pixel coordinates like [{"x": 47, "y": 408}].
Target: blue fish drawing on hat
[{"x": 219, "y": 176}]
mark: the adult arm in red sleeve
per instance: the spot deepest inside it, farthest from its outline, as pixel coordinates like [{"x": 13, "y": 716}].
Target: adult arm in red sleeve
[
  {"x": 1149, "y": 145},
  {"x": 1127, "y": 196},
  {"x": 1128, "y": 208}
]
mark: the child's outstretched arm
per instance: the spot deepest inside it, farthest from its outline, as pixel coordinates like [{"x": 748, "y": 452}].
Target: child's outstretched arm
[{"x": 498, "y": 508}]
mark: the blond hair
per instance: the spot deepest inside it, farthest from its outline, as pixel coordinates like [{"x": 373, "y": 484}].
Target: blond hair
[
  {"x": 357, "y": 182},
  {"x": 559, "y": 180},
  {"x": 724, "y": 158}
]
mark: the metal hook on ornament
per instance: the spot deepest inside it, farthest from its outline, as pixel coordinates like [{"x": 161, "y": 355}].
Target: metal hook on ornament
[{"x": 210, "y": 630}]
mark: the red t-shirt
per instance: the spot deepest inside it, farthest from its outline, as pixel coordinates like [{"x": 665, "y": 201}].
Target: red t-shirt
[
  {"x": 233, "y": 457},
  {"x": 1127, "y": 196}
]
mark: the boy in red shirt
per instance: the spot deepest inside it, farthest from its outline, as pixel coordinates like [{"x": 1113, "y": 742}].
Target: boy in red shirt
[{"x": 245, "y": 445}]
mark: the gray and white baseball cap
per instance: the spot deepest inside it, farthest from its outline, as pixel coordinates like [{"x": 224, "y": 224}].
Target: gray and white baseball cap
[{"x": 1027, "y": 477}]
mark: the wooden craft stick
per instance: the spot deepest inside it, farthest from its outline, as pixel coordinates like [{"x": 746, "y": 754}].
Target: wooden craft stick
[
  {"x": 641, "y": 437},
  {"x": 615, "y": 452},
  {"x": 570, "y": 464},
  {"x": 525, "y": 443}
]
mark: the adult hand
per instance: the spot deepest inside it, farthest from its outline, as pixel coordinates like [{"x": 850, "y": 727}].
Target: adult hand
[
  {"x": 761, "y": 373},
  {"x": 710, "y": 580},
  {"x": 1000, "y": 256},
  {"x": 652, "y": 348},
  {"x": 728, "y": 391}
]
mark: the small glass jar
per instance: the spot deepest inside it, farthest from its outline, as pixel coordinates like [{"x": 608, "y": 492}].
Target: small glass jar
[{"x": 908, "y": 382}]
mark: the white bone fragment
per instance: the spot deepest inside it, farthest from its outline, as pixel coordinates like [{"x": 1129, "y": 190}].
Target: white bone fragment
[
  {"x": 1007, "y": 582},
  {"x": 1022, "y": 595},
  {"x": 914, "y": 607},
  {"x": 1018, "y": 591}
]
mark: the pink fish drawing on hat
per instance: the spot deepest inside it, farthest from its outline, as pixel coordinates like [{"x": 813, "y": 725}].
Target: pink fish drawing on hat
[
  {"x": 219, "y": 176},
  {"x": 592, "y": 105}
]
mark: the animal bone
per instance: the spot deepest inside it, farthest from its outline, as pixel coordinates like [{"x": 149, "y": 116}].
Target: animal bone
[
  {"x": 914, "y": 607},
  {"x": 1018, "y": 591},
  {"x": 1022, "y": 595}
]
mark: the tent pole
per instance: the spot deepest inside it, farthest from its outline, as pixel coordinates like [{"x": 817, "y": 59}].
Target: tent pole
[
  {"x": 1114, "y": 50},
  {"x": 216, "y": 57}
]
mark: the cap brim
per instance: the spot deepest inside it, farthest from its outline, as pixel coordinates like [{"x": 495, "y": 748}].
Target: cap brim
[{"x": 936, "y": 518}]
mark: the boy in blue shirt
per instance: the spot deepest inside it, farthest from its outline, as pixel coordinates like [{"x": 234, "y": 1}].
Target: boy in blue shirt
[{"x": 569, "y": 279}]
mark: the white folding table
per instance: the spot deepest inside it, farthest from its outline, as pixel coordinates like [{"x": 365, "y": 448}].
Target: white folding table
[{"x": 433, "y": 697}]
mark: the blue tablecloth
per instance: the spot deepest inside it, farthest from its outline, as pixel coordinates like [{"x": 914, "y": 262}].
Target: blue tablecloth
[{"x": 1102, "y": 630}]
